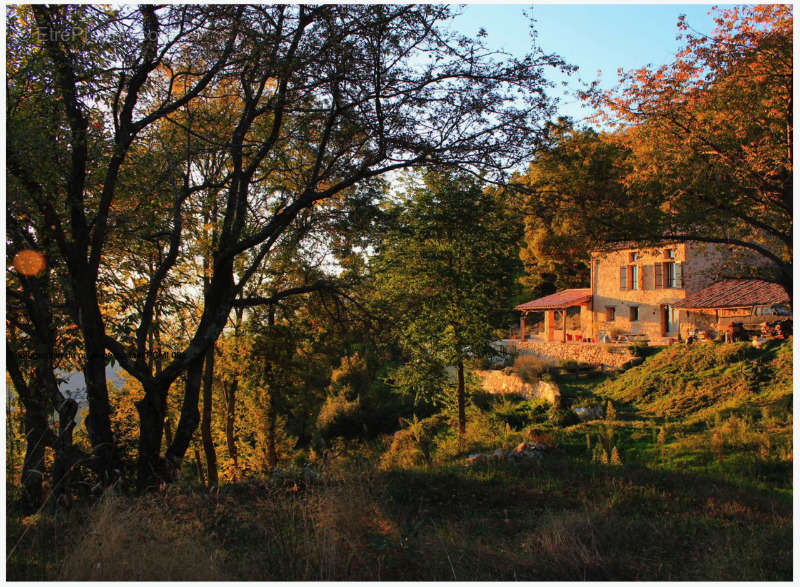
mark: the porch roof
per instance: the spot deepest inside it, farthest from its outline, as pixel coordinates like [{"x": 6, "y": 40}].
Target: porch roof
[
  {"x": 558, "y": 301},
  {"x": 735, "y": 293}
]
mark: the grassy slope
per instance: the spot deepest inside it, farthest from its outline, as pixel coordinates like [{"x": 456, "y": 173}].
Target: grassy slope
[
  {"x": 709, "y": 498},
  {"x": 719, "y": 410}
]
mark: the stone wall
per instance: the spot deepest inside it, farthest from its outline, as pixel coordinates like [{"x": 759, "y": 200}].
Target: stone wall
[{"x": 583, "y": 352}]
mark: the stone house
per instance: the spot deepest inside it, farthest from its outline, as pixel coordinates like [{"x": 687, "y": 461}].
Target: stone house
[{"x": 638, "y": 292}]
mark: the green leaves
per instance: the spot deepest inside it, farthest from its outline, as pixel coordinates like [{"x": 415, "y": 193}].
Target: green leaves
[{"x": 448, "y": 264}]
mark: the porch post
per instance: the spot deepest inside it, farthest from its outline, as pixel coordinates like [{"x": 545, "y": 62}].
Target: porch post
[
  {"x": 564, "y": 325},
  {"x": 522, "y": 326},
  {"x": 549, "y": 324}
]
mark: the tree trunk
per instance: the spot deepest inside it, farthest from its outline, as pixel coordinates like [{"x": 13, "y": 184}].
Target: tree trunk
[
  {"x": 151, "y": 408},
  {"x": 37, "y": 438},
  {"x": 98, "y": 421},
  {"x": 462, "y": 404},
  {"x": 205, "y": 427},
  {"x": 199, "y": 464},
  {"x": 230, "y": 420},
  {"x": 190, "y": 415},
  {"x": 787, "y": 280},
  {"x": 168, "y": 431},
  {"x": 272, "y": 451}
]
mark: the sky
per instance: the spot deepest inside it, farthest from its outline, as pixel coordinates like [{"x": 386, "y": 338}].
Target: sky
[{"x": 594, "y": 37}]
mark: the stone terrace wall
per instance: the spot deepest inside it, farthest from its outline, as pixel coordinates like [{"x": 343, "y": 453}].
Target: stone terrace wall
[{"x": 583, "y": 352}]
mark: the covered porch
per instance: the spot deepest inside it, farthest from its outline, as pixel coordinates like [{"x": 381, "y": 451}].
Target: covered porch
[
  {"x": 559, "y": 302},
  {"x": 749, "y": 302}
]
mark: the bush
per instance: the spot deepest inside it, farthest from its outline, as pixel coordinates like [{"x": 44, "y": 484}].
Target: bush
[
  {"x": 532, "y": 369},
  {"x": 520, "y": 414},
  {"x": 339, "y": 417},
  {"x": 570, "y": 366},
  {"x": 563, "y": 417},
  {"x": 639, "y": 349},
  {"x": 479, "y": 363},
  {"x": 413, "y": 445}
]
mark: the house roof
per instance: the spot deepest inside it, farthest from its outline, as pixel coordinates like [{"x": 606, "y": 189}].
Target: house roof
[
  {"x": 638, "y": 245},
  {"x": 736, "y": 293},
  {"x": 559, "y": 300}
]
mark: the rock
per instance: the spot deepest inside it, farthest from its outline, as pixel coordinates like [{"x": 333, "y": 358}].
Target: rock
[
  {"x": 548, "y": 391},
  {"x": 589, "y": 413},
  {"x": 499, "y": 454},
  {"x": 476, "y": 459}
]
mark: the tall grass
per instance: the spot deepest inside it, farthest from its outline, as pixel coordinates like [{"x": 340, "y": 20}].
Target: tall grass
[{"x": 139, "y": 540}]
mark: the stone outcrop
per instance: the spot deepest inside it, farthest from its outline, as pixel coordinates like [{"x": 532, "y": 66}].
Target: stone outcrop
[
  {"x": 525, "y": 450},
  {"x": 498, "y": 382}
]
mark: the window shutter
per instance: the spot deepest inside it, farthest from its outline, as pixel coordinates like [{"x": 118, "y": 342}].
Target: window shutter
[
  {"x": 658, "y": 282},
  {"x": 622, "y": 277},
  {"x": 640, "y": 271},
  {"x": 632, "y": 285},
  {"x": 679, "y": 275}
]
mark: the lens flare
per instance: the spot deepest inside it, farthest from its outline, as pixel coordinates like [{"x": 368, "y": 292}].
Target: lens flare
[{"x": 29, "y": 262}]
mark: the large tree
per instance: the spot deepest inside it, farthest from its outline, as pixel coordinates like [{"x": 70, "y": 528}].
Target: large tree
[
  {"x": 448, "y": 266},
  {"x": 711, "y": 135},
  {"x": 308, "y": 102},
  {"x": 577, "y": 177}
]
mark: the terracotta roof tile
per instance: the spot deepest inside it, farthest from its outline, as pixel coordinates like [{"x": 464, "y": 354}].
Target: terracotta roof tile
[
  {"x": 562, "y": 299},
  {"x": 736, "y": 293}
]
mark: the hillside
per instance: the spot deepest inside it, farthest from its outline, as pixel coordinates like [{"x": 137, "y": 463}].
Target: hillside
[
  {"x": 701, "y": 381},
  {"x": 687, "y": 478}
]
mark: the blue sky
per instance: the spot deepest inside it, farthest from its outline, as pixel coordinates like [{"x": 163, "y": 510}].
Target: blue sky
[{"x": 592, "y": 36}]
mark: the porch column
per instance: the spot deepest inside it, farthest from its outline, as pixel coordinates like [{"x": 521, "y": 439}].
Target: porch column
[
  {"x": 522, "y": 326},
  {"x": 549, "y": 324},
  {"x": 585, "y": 321},
  {"x": 564, "y": 325}
]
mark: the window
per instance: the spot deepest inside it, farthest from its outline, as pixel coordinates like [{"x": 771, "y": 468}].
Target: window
[
  {"x": 634, "y": 271},
  {"x": 623, "y": 277},
  {"x": 668, "y": 275},
  {"x": 669, "y": 253},
  {"x": 633, "y": 257},
  {"x": 634, "y": 313},
  {"x": 611, "y": 313}
]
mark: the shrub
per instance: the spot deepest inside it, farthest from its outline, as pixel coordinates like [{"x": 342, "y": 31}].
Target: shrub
[
  {"x": 480, "y": 363},
  {"x": 570, "y": 366},
  {"x": 639, "y": 349},
  {"x": 563, "y": 417},
  {"x": 413, "y": 445},
  {"x": 339, "y": 416},
  {"x": 611, "y": 412},
  {"x": 520, "y": 414},
  {"x": 531, "y": 369}
]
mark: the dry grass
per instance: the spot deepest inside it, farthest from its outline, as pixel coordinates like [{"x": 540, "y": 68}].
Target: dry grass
[{"x": 140, "y": 540}]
